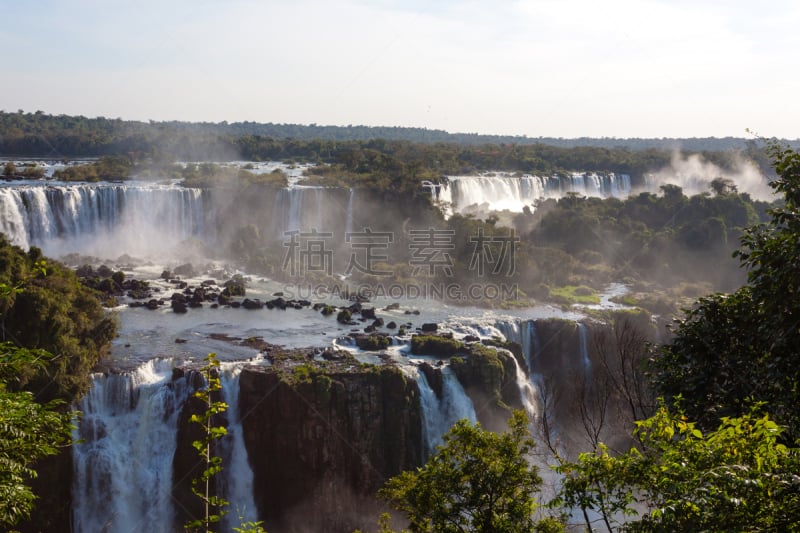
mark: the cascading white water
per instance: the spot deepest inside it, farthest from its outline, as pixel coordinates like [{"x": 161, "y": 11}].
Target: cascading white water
[
  {"x": 523, "y": 333},
  {"x": 299, "y": 208},
  {"x": 101, "y": 219},
  {"x": 510, "y": 330},
  {"x": 237, "y": 475},
  {"x": 502, "y": 191},
  {"x": 439, "y": 416},
  {"x": 123, "y": 465},
  {"x": 455, "y": 402},
  {"x": 527, "y": 391},
  {"x": 432, "y": 419}
]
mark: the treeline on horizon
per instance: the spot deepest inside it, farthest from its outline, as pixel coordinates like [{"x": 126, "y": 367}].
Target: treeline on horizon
[{"x": 63, "y": 137}]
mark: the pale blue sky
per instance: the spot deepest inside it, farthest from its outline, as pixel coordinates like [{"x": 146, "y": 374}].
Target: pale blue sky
[{"x": 541, "y": 67}]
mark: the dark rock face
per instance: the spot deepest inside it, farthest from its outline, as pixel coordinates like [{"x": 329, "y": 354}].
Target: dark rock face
[
  {"x": 52, "y": 510},
  {"x": 187, "y": 465},
  {"x": 186, "y": 270},
  {"x": 247, "y": 303},
  {"x": 321, "y": 447},
  {"x": 489, "y": 379},
  {"x": 235, "y": 287},
  {"x": 434, "y": 377}
]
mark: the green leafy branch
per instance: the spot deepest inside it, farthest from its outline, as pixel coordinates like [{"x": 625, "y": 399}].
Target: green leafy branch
[
  {"x": 215, "y": 506},
  {"x": 201, "y": 485}
]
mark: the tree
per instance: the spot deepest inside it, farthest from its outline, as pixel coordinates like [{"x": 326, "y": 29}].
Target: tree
[
  {"x": 723, "y": 186},
  {"x": 477, "y": 481},
  {"x": 49, "y": 309},
  {"x": 42, "y": 307},
  {"x": 732, "y": 350},
  {"x": 10, "y": 169},
  {"x": 737, "y": 477},
  {"x": 29, "y": 431}
]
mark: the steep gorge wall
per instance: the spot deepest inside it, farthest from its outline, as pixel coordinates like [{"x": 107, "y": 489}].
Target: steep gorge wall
[{"x": 321, "y": 447}]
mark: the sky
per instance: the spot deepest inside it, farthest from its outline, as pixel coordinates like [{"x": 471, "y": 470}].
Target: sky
[{"x": 561, "y": 68}]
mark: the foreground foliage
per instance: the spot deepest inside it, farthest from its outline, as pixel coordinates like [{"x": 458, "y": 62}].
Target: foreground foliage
[
  {"x": 477, "y": 481},
  {"x": 48, "y": 309},
  {"x": 29, "y": 431},
  {"x": 735, "y": 478},
  {"x": 215, "y": 507},
  {"x": 735, "y": 349}
]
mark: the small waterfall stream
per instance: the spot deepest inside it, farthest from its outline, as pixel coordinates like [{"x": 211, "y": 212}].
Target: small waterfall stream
[
  {"x": 439, "y": 416},
  {"x": 527, "y": 392},
  {"x": 237, "y": 475},
  {"x": 455, "y": 402}
]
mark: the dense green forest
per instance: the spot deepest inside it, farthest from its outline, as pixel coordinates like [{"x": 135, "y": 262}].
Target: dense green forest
[
  {"x": 104, "y": 132},
  {"x": 357, "y": 149}
]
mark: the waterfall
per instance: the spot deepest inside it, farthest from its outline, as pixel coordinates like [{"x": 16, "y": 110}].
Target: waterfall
[
  {"x": 526, "y": 391},
  {"x": 237, "y": 475},
  {"x": 502, "y": 191},
  {"x": 294, "y": 222},
  {"x": 299, "y": 208},
  {"x": 432, "y": 419},
  {"x": 123, "y": 466},
  {"x": 510, "y": 330},
  {"x": 523, "y": 332},
  {"x": 439, "y": 416},
  {"x": 134, "y": 218},
  {"x": 455, "y": 402}
]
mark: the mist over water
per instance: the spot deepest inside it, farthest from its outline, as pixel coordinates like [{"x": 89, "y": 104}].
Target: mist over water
[{"x": 694, "y": 174}]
